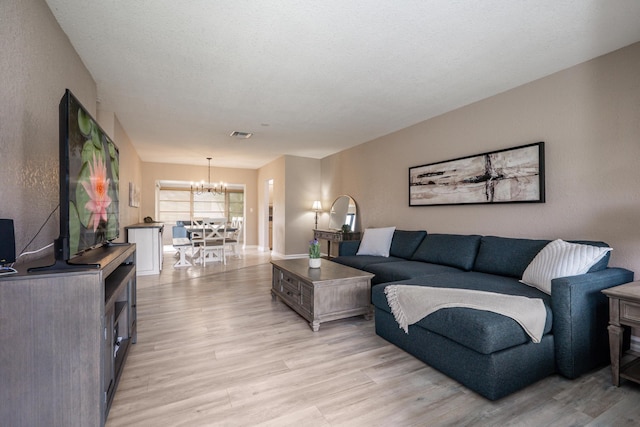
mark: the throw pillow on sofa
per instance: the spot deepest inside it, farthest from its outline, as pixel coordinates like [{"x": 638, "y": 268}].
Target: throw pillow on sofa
[
  {"x": 561, "y": 259},
  {"x": 376, "y": 241}
]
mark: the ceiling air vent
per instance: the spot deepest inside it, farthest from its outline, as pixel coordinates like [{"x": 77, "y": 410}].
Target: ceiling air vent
[{"x": 241, "y": 135}]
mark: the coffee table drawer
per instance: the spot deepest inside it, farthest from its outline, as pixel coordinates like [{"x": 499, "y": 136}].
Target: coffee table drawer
[
  {"x": 289, "y": 282},
  {"x": 291, "y": 294},
  {"x": 297, "y": 292},
  {"x": 287, "y": 287}
]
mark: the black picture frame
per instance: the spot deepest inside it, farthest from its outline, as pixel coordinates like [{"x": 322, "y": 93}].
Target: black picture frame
[{"x": 511, "y": 175}]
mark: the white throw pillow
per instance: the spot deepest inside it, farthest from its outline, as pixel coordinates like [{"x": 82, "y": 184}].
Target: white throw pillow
[
  {"x": 561, "y": 259},
  {"x": 376, "y": 241}
]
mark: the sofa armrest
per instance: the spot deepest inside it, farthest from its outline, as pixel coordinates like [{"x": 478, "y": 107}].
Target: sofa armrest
[
  {"x": 580, "y": 318},
  {"x": 348, "y": 247}
]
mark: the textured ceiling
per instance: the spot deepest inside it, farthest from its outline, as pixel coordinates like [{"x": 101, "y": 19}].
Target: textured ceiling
[{"x": 311, "y": 78}]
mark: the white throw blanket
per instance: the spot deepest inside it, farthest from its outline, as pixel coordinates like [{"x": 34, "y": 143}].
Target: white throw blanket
[{"x": 409, "y": 304}]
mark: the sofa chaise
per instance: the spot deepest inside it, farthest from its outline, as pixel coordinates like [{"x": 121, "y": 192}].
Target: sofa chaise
[{"x": 488, "y": 352}]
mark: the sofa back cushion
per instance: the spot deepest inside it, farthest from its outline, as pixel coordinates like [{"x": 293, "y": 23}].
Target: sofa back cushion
[
  {"x": 510, "y": 257},
  {"x": 506, "y": 256},
  {"x": 405, "y": 243},
  {"x": 455, "y": 250}
]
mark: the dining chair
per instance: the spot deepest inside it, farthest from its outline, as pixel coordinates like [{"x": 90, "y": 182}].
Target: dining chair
[
  {"x": 233, "y": 234},
  {"x": 212, "y": 245},
  {"x": 196, "y": 235}
]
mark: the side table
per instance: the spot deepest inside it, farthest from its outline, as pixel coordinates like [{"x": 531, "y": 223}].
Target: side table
[
  {"x": 336, "y": 236},
  {"x": 624, "y": 310}
]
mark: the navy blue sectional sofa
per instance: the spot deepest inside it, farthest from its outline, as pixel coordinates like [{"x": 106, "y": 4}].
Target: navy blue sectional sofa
[{"x": 488, "y": 352}]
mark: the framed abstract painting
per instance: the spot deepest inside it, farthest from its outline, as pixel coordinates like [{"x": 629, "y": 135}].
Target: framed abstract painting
[{"x": 512, "y": 175}]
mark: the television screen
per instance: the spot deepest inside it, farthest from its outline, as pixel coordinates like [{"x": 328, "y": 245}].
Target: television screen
[{"x": 89, "y": 171}]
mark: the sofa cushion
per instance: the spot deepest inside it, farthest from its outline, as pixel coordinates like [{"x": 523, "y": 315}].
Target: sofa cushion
[
  {"x": 348, "y": 247},
  {"x": 493, "y": 376},
  {"x": 455, "y": 250},
  {"x": 361, "y": 262},
  {"x": 401, "y": 270},
  {"x": 405, "y": 243},
  {"x": 482, "y": 331},
  {"x": 506, "y": 256},
  {"x": 561, "y": 259},
  {"x": 376, "y": 241}
]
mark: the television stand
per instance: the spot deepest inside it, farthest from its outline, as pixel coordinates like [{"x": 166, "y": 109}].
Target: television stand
[
  {"x": 67, "y": 338},
  {"x": 60, "y": 265},
  {"x": 110, "y": 244}
]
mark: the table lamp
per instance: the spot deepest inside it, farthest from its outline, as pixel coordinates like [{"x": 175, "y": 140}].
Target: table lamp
[{"x": 317, "y": 206}]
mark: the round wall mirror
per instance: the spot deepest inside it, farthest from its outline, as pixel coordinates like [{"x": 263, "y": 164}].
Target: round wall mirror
[{"x": 343, "y": 212}]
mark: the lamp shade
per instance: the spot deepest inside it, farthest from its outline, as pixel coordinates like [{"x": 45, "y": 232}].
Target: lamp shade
[{"x": 316, "y": 205}]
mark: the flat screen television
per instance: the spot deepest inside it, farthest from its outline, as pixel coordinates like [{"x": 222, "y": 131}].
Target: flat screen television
[{"x": 89, "y": 184}]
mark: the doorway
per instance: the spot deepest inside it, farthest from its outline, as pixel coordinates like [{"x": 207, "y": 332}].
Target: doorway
[{"x": 267, "y": 210}]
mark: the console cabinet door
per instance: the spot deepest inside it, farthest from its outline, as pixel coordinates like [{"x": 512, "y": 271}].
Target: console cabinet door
[
  {"x": 148, "y": 242},
  {"x": 109, "y": 374}
]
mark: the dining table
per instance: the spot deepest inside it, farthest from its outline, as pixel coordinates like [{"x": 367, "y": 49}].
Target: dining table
[{"x": 191, "y": 228}]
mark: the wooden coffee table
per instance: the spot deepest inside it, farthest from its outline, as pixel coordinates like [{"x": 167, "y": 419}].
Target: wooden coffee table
[{"x": 333, "y": 291}]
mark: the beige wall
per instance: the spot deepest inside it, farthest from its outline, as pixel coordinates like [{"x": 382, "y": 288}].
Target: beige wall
[
  {"x": 302, "y": 183},
  {"x": 275, "y": 171},
  {"x": 38, "y": 64},
  {"x": 588, "y": 117},
  {"x": 296, "y": 184},
  {"x": 130, "y": 168},
  {"x": 130, "y": 171},
  {"x": 154, "y": 172}
]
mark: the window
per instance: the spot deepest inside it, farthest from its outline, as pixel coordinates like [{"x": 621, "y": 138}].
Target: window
[
  {"x": 236, "y": 204},
  {"x": 174, "y": 205},
  {"x": 179, "y": 204},
  {"x": 208, "y": 205}
]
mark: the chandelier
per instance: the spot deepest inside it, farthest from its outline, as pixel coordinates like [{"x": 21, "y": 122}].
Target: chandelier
[{"x": 216, "y": 190}]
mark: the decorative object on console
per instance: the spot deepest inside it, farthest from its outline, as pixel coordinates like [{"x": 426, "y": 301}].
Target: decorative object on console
[
  {"x": 317, "y": 207},
  {"x": 346, "y": 228},
  {"x": 315, "y": 262},
  {"x": 513, "y": 175},
  {"x": 134, "y": 195},
  {"x": 376, "y": 241},
  {"x": 343, "y": 211},
  {"x": 213, "y": 189},
  {"x": 314, "y": 254}
]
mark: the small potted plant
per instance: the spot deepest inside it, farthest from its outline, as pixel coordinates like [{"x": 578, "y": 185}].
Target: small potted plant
[{"x": 314, "y": 254}]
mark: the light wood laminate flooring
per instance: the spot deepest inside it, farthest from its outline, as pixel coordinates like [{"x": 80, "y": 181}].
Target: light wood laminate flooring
[{"x": 214, "y": 350}]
